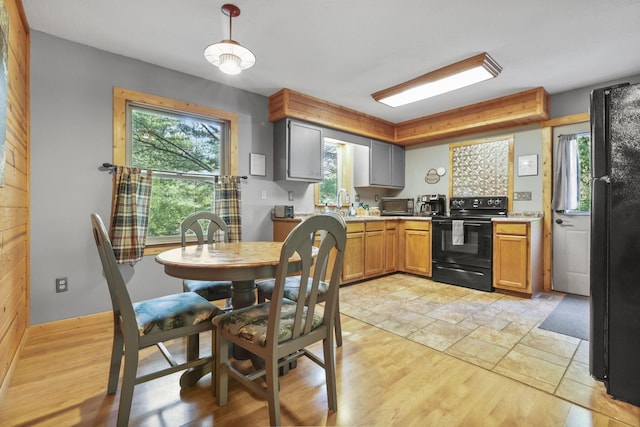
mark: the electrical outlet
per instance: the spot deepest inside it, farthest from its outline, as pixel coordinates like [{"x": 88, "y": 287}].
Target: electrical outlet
[
  {"x": 291, "y": 196},
  {"x": 263, "y": 194},
  {"x": 62, "y": 284}
]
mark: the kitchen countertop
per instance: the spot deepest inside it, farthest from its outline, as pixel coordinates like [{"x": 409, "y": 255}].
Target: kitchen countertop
[{"x": 359, "y": 218}]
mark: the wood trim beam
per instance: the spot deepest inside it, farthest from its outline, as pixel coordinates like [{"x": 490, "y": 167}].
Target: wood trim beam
[
  {"x": 566, "y": 120},
  {"x": 527, "y": 107},
  {"x": 296, "y": 105},
  {"x": 547, "y": 182},
  {"x": 518, "y": 109}
]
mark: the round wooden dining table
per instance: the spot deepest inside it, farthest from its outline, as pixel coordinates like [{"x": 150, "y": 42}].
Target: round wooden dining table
[{"x": 240, "y": 262}]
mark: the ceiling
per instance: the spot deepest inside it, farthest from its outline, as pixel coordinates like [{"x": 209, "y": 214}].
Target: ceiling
[{"x": 342, "y": 51}]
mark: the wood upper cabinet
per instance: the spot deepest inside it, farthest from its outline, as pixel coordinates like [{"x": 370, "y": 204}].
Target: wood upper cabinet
[
  {"x": 391, "y": 246},
  {"x": 417, "y": 247},
  {"x": 374, "y": 240},
  {"x": 297, "y": 151},
  {"x": 517, "y": 257},
  {"x": 353, "y": 264}
]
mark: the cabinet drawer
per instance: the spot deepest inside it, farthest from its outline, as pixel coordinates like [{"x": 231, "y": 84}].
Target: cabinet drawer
[
  {"x": 374, "y": 225},
  {"x": 354, "y": 227},
  {"x": 509, "y": 228},
  {"x": 417, "y": 225}
]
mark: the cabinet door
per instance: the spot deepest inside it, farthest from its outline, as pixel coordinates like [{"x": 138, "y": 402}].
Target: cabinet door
[
  {"x": 380, "y": 163},
  {"x": 305, "y": 152},
  {"x": 510, "y": 262},
  {"x": 374, "y": 253},
  {"x": 353, "y": 264},
  {"x": 391, "y": 248},
  {"x": 417, "y": 251},
  {"x": 397, "y": 166}
]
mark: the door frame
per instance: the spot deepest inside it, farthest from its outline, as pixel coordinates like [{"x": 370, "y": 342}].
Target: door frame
[{"x": 547, "y": 186}]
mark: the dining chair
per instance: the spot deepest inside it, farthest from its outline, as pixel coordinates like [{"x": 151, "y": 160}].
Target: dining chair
[
  {"x": 278, "y": 331},
  {"x": 210, "y": 290},
  {"x": 292, "y": 285},
  {"x": 138, "y": 325}
]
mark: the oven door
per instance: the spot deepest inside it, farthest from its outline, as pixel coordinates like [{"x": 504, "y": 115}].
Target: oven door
[{"x": 474, "y": 249}]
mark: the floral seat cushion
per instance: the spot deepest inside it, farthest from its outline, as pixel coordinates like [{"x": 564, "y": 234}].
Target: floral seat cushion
[
  {"x": 211, "y": 291},
  {"x": 291, "y": 287},
  {"x": 172, "y": 311},
  {"x": 250, "y": 323}
]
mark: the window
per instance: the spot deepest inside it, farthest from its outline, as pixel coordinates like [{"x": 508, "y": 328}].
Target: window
[
  {"x": 184, "y": 145},
  {"x": 584, "y": 173},
  {"x": 336, "y": 171}
]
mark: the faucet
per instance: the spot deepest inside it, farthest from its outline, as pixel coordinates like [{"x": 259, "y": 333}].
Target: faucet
[{"x": 338, "y": 199}]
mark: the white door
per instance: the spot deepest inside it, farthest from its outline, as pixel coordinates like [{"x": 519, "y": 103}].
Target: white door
[
  {"x": 571, "y": 251},
  {"x": 571, "y": 236}
]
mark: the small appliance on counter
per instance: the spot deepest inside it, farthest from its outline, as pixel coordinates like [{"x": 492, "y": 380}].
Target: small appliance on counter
[
  {"x": 432, "y": 204},
  {"x": 283, "y": 211},
  {"x": 390, "y": 206}
]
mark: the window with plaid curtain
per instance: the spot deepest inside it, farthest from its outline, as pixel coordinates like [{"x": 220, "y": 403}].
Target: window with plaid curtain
[
  {"x": 227, "y": 204},
  {"x": 129, "y": 213}
]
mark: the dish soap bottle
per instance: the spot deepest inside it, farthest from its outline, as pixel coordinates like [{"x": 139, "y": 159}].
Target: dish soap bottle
[{"x": 352, "y": 210}]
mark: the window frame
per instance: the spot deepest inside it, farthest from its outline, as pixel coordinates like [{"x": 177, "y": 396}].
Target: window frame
[
  {"x": 121, "y": 97},
  {"x": 345, "y": 163}
]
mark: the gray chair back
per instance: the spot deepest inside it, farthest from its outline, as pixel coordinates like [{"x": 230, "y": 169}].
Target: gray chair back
[{"x": 194, "y": 221}]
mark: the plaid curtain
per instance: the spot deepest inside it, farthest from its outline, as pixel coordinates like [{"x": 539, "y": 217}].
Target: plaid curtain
[
  {"x": 227, "y": 204},
  {"x": 129, "y": 213}
]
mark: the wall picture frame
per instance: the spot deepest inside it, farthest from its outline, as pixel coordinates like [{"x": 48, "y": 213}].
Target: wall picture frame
[
  {"x": 257, "y": 164},
  {"x": 528, "y": 165}
]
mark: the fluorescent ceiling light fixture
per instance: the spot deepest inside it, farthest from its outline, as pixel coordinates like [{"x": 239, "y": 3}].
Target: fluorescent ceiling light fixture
[
  {"x": 455, "y": 76},
  {"x": 229, "y": 55}
]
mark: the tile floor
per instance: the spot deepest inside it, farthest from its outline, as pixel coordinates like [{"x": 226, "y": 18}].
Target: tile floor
[{"x": 494, "y": 331}]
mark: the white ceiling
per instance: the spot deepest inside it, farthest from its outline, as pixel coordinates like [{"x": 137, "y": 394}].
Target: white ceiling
[{"x": 344, "y": 50}]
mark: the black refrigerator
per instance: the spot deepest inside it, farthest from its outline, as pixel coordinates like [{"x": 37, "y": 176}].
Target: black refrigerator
[{"x": 614, "y": 352}]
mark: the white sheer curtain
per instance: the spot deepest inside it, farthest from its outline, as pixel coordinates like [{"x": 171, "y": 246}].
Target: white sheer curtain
[{"x": 565, "y": 174}]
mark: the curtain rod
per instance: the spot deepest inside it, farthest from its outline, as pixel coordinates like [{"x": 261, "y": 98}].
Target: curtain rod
[{"x": 110, "y": 168}]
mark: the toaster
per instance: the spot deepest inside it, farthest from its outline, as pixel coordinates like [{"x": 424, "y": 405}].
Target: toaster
[{"x": 283, "y": 211}]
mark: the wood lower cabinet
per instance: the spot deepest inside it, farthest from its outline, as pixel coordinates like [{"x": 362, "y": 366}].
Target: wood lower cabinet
[
  {"x": 517, "y": 256},
  {"x": 374, "y": 251},
  {"x": 377, "y": 246},
  {"x": 391, "y": 246},
  {"x": 282, "y": 227},
  {"x": 353, "y": 264},
  {"x": 417, "y": 247}
]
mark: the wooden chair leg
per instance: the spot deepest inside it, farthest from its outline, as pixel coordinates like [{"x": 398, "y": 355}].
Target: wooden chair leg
[
  {"x": 330, "y": 373},
  {"x": 128, "y": 383},
  {"x": 273, "y": 392},
  {"x": 221, "y": 384},
  {"x": 116, "y": 359}
]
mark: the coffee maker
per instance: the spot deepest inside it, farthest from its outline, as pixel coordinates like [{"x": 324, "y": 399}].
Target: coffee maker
[{"x": 432, "y": 204}]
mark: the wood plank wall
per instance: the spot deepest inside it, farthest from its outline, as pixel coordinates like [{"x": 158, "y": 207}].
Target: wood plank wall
[{"x": 14, "y": 198}]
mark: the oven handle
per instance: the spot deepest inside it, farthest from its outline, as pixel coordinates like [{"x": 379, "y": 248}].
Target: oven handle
[{"x": 466, "y": 223}]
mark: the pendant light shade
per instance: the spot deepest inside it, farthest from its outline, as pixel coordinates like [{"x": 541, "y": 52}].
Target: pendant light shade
[{"x": 228, "y": 55}]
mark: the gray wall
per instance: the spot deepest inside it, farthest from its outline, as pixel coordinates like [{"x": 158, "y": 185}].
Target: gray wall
[
  {"x": 419, "y": 159},
  {"x": 71, "y": 135}
]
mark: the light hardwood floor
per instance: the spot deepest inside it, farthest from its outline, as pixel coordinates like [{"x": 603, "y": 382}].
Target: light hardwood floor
[{"x": 383, "y": 380}]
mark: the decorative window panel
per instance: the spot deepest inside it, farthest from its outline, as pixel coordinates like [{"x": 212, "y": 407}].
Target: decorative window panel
[{"x": 481, "y": 168}]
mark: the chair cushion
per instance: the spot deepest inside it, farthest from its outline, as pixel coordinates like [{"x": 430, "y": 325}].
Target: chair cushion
[
  {"x": 211, "y": 291},
  {"x": 291, "y": 287},
  {"x": 172, "y": 311},
  {"x": 250, "y": 323}
]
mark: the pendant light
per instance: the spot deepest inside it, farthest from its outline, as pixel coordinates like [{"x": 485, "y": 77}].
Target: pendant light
[{"x": 228, "y": 55}]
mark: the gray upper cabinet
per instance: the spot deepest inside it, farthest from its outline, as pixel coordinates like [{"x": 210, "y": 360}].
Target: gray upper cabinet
[
  {"x": 297, "y": 151},
  {"x": 379, "y": 165}
]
